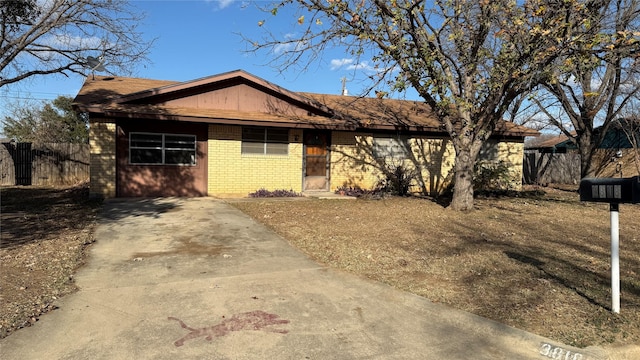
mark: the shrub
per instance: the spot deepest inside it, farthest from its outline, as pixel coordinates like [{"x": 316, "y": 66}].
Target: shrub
[
  {"x": 397, "y": 180},
  {"x": 359, "y": 192},
  {"x": 355, "y": 191},
  {"x": 264, "y": 193},
  {"x": 492, "y": 175}
]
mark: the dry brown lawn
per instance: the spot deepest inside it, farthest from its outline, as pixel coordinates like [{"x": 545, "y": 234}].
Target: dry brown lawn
[
  {"x": 44, "y": 233},
  {"x": 538, "y": 262}
]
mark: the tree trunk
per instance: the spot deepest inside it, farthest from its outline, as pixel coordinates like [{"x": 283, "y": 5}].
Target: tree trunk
[
  {"x": 463, "y": 186},
  {"x": 586, "y": 167},
  {"x": 586, "y": 149}
]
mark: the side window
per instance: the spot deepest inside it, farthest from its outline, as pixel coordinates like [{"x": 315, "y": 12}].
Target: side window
[
  {"x": 489, "y": 151},
  {"x": 162, "y": 149},
  {"x": 265, "y": 141},
  {"x": 394, "y": 148}
]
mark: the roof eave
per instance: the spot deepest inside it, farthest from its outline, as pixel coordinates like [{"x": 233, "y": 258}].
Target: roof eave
[
  {"x": 103, "y": 111},
  {"x": 212, "y": 120}
]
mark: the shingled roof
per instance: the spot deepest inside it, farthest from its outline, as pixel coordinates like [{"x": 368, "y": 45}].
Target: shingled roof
[{"x": 126, "y": 97}]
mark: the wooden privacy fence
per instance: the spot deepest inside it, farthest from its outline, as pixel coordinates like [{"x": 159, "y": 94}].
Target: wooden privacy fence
[
  {"x": 550, "y": 168},
  {"x": 43, "y": 164}
]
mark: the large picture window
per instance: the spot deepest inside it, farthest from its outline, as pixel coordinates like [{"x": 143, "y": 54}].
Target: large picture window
[
  {"x": 162, "y": 149},
  {"x": 265, "y": 141}
]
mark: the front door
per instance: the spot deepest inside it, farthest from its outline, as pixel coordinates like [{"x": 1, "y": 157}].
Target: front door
[{"x": 316, "y": 160}]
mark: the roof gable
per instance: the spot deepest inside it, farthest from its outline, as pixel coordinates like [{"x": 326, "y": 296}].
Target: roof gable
[{"x": 235, "y": 90}]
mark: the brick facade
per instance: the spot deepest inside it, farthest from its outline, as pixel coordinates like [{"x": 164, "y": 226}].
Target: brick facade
[
  {"x": 513, "y": 153},
  {"x": 102, "y": 141},
  {"x": 351, "y": 160},
  {"x": 232, "y": 173},
  {"x": 353, "y": 163},
  {"x": 433, "y": 159}
]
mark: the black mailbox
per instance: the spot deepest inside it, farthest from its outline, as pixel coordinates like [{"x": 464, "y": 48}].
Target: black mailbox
[{"x": 611, "y": 190}]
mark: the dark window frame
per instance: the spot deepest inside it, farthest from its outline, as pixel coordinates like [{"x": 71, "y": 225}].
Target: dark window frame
[{"x": 173, "y": 145}]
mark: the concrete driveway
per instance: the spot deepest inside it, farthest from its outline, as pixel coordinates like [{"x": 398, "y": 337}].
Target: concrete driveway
[{"x": 198, "y": 279}]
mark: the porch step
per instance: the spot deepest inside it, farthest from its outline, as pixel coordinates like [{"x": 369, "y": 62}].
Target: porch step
[{"x": 327, "y": 195}]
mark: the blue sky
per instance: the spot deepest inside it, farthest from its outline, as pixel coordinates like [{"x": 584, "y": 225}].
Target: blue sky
[{"x": 200, "y": 38}]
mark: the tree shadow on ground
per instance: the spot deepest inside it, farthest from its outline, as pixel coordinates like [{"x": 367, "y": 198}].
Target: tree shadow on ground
[
  {"x": 563, "y": 261},
  {"x": 31, "y": 214},
  {"x": 555, "y": 275},
  {"x": 121, "y": 208}
]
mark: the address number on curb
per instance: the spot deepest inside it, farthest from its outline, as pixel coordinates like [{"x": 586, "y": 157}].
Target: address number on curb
[{"x": 558, "y": 353}]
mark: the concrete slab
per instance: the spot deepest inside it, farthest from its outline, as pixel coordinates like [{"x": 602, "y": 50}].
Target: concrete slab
[
  {"x": 198, "y": 279},
  {"x": 327, "y": 195}
]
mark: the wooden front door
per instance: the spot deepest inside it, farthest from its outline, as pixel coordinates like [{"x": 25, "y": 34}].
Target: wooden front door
[{"x": 316, "y": 160}]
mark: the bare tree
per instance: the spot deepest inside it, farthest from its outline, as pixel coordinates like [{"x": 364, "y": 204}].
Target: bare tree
[
  {"x": 469, "y": 60},
  {"x": 597, "y": 79},
  {"x": 630, "y": 125},
  {"x": 42, "y": 37}
]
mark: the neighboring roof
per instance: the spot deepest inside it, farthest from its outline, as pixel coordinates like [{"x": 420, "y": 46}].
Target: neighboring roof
[
  {"x": 614, "y": 138},
  {"x": 134, "y": 98},
  {"x": 551, "y": 143}
]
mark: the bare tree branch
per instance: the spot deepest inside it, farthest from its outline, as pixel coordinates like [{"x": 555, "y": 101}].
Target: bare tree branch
[
  {"x": 56, "y": 36},
  {"x": 598, "y": 78}
]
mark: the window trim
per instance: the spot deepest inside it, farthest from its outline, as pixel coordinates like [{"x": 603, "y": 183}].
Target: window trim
[
  {"x": 264, "y": 142},
  {"x": 163, "y": 148}
]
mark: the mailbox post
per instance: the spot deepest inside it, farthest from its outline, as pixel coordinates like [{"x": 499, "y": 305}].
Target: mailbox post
[{"x": 614, "y": 192}]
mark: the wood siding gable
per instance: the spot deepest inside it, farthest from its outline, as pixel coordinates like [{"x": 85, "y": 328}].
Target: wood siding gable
[{"x": 235, "y": 91}]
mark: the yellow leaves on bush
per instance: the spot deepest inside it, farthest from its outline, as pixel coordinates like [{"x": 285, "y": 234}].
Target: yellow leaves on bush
[
  {"x": 301, "y": 20},
  {"x": 540, "y": 10},
  {"x": 537, "y": 30}
]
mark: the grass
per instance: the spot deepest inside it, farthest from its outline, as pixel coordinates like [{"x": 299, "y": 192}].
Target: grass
[{"x": 539, "y": 263}]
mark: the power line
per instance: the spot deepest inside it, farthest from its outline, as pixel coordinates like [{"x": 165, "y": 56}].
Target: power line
[
  {"x": 31, "y": 98},
  {"x": 51, "y": 97}
]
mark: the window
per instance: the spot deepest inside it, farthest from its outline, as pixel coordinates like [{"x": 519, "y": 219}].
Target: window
[
  {"x": 391, "y": 148},
  {"x": 162, "y": 149},
  {"x": 265, "y": 141},
  {"x": 489, "y": 151}
]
